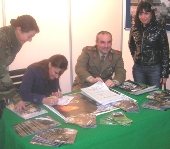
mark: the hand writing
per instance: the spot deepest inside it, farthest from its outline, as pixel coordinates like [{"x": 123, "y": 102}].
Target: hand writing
[
  {"x": 57, "y": 94},
  {"x": 52, "y": 100}
]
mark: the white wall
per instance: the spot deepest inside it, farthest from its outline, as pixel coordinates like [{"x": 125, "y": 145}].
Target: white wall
[
  {"x": 87, "y": 19},
  {"x": 90, "y": 17},
  {"x": 126, "y": 53},
  {"x": 52, "y": 18},
  {"x": 1, "y": 19}
]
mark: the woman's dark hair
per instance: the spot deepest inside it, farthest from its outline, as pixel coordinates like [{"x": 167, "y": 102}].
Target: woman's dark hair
[
  {"x": 26, "y": 23},
  {"x": 58, "y": 61},
  {"x": 147, "y": 7}
]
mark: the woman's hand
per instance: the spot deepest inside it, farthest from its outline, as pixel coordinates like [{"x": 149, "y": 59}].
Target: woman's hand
[
  {"x": 20, "y": 106},
  {"x": 50, "y": 100},
  {"x": 57, "y": 94}
]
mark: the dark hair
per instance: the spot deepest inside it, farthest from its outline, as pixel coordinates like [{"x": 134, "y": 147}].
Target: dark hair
[
  {"x": 26, "y": 23},
  {"x": 102, "y": 32},
  {"x": 57, "y": 60},
  {"x": 144, "y": 6}
]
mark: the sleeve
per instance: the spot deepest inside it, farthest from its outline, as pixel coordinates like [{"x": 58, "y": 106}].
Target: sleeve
[
  {"x": 120, "y": 72},
  {"x": 7, "y": 89},
  {"x": 131, "y": 43},
  {"x": 164, "y": 46},
  {"x": 81, "y": 65},
  {"x": 27, "y": 86}
]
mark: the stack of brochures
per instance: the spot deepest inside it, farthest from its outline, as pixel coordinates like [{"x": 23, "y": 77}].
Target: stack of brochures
[
  {"x": 100, "y": 93},
  {"x": 55, "y": 137},
  {"x": 34, "y": 125},
  {"x": 136, "y": 88}
]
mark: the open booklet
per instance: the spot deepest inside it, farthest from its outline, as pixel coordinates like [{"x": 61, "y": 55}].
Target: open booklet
[
  {"x": 136, "y": 88},
  {"x": 31, "y": 111},
  {"x": 80, "y": 104},
  {"x": 100, "y": 93}
]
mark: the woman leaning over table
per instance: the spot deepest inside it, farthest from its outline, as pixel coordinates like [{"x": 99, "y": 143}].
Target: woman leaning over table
[
  {"x": 12, "y": 38},
  {"x": 149, "y": 47},
  {"x": 41, "y": 80}
]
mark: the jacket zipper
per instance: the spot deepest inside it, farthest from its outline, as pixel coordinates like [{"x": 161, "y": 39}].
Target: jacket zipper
[{"x": 142, "y": 48}]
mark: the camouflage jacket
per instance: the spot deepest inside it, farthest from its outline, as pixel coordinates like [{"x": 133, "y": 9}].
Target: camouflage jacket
[{"x": 9, "y": 47}]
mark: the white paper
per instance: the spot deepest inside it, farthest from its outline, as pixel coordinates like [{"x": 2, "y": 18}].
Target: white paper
[
  {"x": 101, "y": 93},
  {"x": 65, "y": 100}
]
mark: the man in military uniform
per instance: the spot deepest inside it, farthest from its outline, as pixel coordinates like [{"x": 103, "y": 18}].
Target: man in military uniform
[{"x": 99, "y": 63}]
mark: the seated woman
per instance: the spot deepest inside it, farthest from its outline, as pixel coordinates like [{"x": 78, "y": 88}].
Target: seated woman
[{"x": 41, "y": 80}]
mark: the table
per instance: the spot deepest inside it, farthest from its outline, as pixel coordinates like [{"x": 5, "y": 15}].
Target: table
[{"x": 150, "y": 129}]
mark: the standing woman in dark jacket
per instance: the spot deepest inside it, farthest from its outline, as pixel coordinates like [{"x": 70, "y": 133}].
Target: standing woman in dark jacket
[
  {"x": 41, "y": 80},
  {"x": 149, "y": 47}
]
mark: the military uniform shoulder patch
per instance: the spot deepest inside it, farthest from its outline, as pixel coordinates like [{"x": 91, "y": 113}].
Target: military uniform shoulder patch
[
  {"x": 116, "y": 51},
  {"x": 90, "y": 48}
]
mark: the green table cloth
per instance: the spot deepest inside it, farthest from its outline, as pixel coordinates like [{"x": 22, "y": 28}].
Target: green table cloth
[{"x": 150, "y": 129}]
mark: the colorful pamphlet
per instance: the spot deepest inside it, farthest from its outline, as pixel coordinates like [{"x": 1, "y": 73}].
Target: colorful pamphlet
[
  {"x": 55, "y": 137},
  {"x": 80, "y": 104},
  {"x": 32, "y": 110},
  {"x": 136, "y": 88},
  {"x": 35, "y": 125}
]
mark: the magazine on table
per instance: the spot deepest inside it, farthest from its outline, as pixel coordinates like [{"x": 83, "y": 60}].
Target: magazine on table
[
  {"x": 32, "y": 110},
  {"x": 35, "y": 125},
  {"x": 55, "y": 137},
  {"x": 136, "y": 88},
  {"x": 100, "y": 93},
  {"x": 80, "y": 104}
]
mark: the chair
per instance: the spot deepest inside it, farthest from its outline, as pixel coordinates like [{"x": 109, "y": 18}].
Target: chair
[
  {"x": 169, "y": 74},
  {"x": 16, "y": 76}
]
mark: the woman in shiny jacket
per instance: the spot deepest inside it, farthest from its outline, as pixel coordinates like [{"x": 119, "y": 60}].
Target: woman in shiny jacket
[{"x": 148, "y": 44}]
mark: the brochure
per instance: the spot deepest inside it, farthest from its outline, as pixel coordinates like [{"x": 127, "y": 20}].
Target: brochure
[
  {"x": 55, "y": 137},
  {"x": 32, "y": 110},
  {"x": 34, "y": 125},
  {"x": 80, "y": 104},
  {"x": 136, "y": 88},
  {"x": 100, "y": 93}
]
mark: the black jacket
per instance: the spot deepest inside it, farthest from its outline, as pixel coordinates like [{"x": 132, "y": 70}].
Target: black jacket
[{"x": 149, "y": 46}]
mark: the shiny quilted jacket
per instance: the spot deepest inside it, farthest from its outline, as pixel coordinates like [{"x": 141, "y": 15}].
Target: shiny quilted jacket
[{"x": 149, "y": 46}]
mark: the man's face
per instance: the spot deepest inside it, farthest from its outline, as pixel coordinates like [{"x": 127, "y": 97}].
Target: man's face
[{"x": 104, "y": 43}]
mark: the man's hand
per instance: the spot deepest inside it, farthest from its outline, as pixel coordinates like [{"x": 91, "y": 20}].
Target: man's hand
[
  {"x": 20, "y": 106},
  {"x": 94, "y": 80},
  {"x": 110, "y": 83}
]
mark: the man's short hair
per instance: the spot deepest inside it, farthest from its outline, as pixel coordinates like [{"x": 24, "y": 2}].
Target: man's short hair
[{"x": 102, "y": 32}]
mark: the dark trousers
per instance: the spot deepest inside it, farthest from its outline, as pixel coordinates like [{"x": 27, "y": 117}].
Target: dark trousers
[{"x": 149, "y": 75}]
